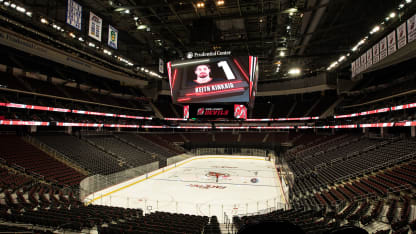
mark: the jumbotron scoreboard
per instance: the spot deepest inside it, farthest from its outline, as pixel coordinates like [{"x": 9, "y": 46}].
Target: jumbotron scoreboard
[{"x": 212, "y": 87}]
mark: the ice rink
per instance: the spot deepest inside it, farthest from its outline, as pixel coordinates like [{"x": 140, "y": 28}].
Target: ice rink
[{"x": 244, "y": 185}]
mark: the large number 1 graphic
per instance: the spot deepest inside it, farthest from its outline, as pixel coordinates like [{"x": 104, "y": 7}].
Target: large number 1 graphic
[{"x": 227, "y": 70}]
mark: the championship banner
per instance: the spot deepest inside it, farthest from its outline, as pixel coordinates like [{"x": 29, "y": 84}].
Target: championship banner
[
  {"x": 112, "y": 37},
  {"x": 376, "y": 53},
  {"x": 358, "y": 66},
  {"x": 411, "y": 29},
  {"x": 369, "y": 57},
  {"x": 74, "y": 14},
  {"x": 95, "y": 27},
  {"x": 383, "y": 48},
  {"x": 392, "y": 47},
  {"x": 401, "y": 35},
  {"x": 161, "y": 63},
  {"x": 353, "y": 69},
  {"x": 363, "y": 62}
]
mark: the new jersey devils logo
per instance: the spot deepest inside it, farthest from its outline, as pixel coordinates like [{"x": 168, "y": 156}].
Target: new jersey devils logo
[
  {"x": 240, "y": 112},
  {"x": 201, "y": 111}
]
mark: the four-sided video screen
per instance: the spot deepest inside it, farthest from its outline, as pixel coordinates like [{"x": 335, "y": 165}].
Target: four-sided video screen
[{"x": 213, "y": 80}]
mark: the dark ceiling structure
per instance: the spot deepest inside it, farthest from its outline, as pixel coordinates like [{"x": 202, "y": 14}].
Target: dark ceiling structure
[{"x": 308, "y": 34}]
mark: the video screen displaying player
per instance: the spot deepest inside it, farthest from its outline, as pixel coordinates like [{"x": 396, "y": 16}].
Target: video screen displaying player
[{"x": 211, "y": 80}]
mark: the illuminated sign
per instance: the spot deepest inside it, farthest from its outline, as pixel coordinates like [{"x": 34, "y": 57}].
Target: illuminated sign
[
  {"x": 191, "y": 55},
  {"x": 213, "y": 80}
]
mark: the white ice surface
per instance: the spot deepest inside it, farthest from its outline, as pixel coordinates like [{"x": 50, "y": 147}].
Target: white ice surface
[{"x": 245, "y": 185}]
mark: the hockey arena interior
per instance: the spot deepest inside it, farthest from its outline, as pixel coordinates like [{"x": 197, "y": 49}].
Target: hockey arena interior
[{"x": 207, "y": 116}]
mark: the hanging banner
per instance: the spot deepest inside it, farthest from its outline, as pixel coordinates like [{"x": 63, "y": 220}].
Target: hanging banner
[
  {"x": 161, "y": 65},
  {"x": 383, "y": 48},
  {"x": 112, "y": 37},
  {"x": 95, "y": 27},
  {"x": 401, "y": 35},
  {"x": 363, "y": 62},
  {"x": 376, "y": 53},
  {"x": 392, "y": 47},
  {"x": 353, "y": 70},
  {"x": 411, "y": 29},
  {"x": 358, "y": 66},
  {"x": 74, "y": 14},
  {"x": 369, "y": 57}
]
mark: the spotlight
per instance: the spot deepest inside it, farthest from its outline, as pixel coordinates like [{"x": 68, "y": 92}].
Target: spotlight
[
  {"x": 282, "y": 54},
  {"x": 29, "y": 14},
  {"x": 220, "y": 2},
  {"x": 408, "y": 1},
  {"x": 392, "y": 15},
  {"x": 7, "y": 4},
  {"x": 44, "y": 21},
  {"x": 81, "y": 39},
  {"x": 13, "y": 5}
]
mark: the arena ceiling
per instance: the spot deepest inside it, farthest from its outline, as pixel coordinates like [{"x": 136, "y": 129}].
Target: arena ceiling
[{"x": 310, "y": 33}]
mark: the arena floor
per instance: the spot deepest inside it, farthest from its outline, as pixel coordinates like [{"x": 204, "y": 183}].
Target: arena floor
[{"x": 244, "y": 185}]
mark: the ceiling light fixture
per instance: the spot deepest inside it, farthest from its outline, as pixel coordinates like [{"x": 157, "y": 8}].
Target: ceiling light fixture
[
  {"x": 282, "y": 54},
  {"x": 142, "y": 26},
  {"x": 392, "y": 15},
  {"x": 20, "y": 9},
  {"x": 342, "y": 58},
  {"x": 200, "y": 5},
  {"x": 291, "y": 10},
  {"x": 375, "y": 29},
  {"x": 220, "y": 2},
  {"x": 294, "y": 71}
]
